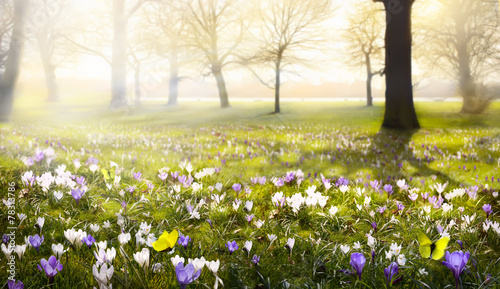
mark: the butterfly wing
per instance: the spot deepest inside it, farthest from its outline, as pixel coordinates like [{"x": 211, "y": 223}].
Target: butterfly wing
[
  {"x": 425, "y": 245},
  {"x": 160, "y": 245},
  {"x": 172, "y": 238},
  {"x": 440, "y": 247},
  {"x": 105, "y": 173}
]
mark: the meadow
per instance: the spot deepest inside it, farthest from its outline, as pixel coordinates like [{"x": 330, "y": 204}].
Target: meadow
[{"x": 198, "y": 197}]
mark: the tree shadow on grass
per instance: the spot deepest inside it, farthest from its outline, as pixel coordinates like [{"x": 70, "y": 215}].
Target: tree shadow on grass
[{"x": 388, "y": 153}]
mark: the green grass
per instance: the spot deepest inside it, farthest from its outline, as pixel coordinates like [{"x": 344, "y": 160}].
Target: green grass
[{"x": 332, "y": 139}]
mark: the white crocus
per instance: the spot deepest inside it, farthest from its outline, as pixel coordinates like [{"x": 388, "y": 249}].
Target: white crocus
[
  {"x": 272, "y": 237},
  {"x": 176, "y": 260},
  {"x": 58, "y": 250},
  {"x": 333, "y": 210},
  {"x": 198, "y": 263},
  {"x": 103, "y": 275},
  {"x": 345, "y": 248},
  {"x": 94, "y": 227},
  {"x": 142, "y": 257},
  {"x": 248, "y": 205},
  {"x": 213, "y": 266},
  {"x": 40, "y": 221},
  {"x": 58, "y": 195},
  {"x": 6, "y": 251},
  {"x": 123, "y": 238},
  {"x": 20, "y": 249},
  {"x": 248, "y": 246}
]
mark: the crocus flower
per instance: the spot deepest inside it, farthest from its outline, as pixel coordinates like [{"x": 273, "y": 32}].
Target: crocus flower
[
  {"x": 459, "y": 242},
  {"x": 391, "y": 271},
  {"x": 256, "y": 259},
  {"x": 487, "y": 209},
  {"x": 77, "y": 194},
  {"x": 12, "y": 284},
  {"x": 186, "y": 275},
  {"x": 456, "y": 262},
  {"x": 36, "y": 242},
  {"x": 358, "y": 261},
  {"x": 5, "y": 238},
  {"x": 142, "y": 257},
  {"x": 51, "y": 267},
  {"x": 137, "y": 176},
  {"x": 88, "y": 240},
  {"x": 388, "y": 189},
  {"x": 236, "y": 187},
  {"x": 231, "y": 246},
  {"x": 210, "y": 223},
  {"x": 184, "y": 241},
  {"x": 58, "y": 250},
  {"x": 103, "y": 275}
]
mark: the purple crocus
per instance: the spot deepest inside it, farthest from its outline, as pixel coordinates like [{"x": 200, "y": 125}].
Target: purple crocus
[
  {"x": 51, "y": 267},
  {"x": 456, "y": 262},
  {"x": 13, "y": 285},
  {"x": 388, "y": 189},
  {"x": 236, "y": 187},
  {"x": 249, "y": 217},
  {"x": 137, "y": 176},
  {"x": 487, "y": 209},
  {"x": 80, "y": 180},
  {"x": 210, "y": 223},
  {"x": 88, "y": 240},
  {"x": 459, "y": 242},
  {"x": 255, "y": 259},
  {"x": 184, "y": 241},
  {"x": 77, "y": 194},
  {"x": 374, "y": 226},
  {"x": 36, "y": 241},
  {"x": 358, "y": 261},
  {"x": 232, "y": 246},
  {"x": 391, "y": 271},
  {"x": 5, "y": 238},
  {"x": 400, "y": 206},
  {"x": 186, "y": 275},
  {"x": 375, "y": 185}
]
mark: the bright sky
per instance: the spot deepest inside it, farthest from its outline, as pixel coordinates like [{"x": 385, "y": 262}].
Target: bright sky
[{"x": 93, "y": 67}]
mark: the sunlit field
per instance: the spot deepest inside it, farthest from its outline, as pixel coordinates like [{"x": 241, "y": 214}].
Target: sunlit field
[{"x": 197, "y": 197}]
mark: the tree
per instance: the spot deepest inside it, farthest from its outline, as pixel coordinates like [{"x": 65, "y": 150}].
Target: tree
[
  {"x": 47, "y": 27},
  {"x": 364, "y": 42},
  {"x": 215, "y": 31},
  {"x": 13, "y": 59},
  {"x": 6, "y": 22},
  {"x": 288, "y": 28},
  {"x": 399, "y": 109},
  {"x": 94, "y": 41},
  {"x": 465, "y": 46},
  {"x": 169, "y": 18}
]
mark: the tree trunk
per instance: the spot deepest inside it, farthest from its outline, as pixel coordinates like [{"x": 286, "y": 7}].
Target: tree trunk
[
  {"x": 221, "y": 85},
  {"x": 277, "y": 85},
  {"x": 173, "y": 89},
  {"x": 466, "y": 85},
  {"x": 119, "y": 59},
  {"x": 48, "y": 67},
  {"x": 369, "y": 76},
  {"x": 399, "y": 108},
  {"x": 12, "y": 65},
  {"x": 137, "y": 83}
]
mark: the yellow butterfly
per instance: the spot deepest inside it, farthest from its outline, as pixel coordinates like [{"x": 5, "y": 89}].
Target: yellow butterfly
[
  {"x": 428, "y": 248},
  {"x": 166, "y": 241},
  {"x": 108, "y": 174}
]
